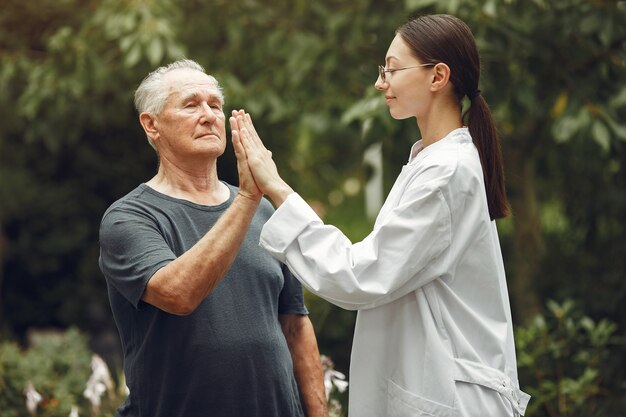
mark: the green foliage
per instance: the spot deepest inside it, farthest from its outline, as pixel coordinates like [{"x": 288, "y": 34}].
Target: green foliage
[
  {"x": 58, "y": 367},
  {"x": 562, "y": 356}
]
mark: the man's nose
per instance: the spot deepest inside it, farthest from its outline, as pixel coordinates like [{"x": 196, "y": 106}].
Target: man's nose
[{"x": 208, "y": 115}]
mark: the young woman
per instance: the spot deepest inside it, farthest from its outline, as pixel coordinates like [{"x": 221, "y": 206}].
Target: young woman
[{"x": 433, "y": 334}]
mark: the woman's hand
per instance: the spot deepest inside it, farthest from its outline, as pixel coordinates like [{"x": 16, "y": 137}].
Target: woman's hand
[{"x": 259, "y": 158}]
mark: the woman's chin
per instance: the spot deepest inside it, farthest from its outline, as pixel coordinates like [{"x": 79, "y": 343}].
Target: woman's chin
[{"x": 399, "y": 115}]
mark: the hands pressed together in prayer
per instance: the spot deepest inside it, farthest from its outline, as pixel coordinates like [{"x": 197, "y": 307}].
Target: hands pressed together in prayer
[{"x": 257, "y": 171}]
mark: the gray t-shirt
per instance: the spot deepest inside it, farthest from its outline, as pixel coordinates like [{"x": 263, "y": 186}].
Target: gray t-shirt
[{"x": 229, "y": 357}]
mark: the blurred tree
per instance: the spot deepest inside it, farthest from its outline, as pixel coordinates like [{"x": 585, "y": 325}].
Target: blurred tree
[
  {"x": 69, "y": 146},
  {"x": 554, "y": 71}
]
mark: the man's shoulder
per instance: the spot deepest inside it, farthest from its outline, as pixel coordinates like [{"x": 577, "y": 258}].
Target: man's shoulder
[{"x": 128, "y": 203}]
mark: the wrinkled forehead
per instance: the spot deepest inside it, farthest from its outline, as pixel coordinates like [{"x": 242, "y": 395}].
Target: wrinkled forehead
[{"x": 190, "y": 83}]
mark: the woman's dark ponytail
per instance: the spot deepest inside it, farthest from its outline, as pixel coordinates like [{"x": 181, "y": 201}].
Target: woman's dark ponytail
[
  {"x": 447, "y": 39},
  {"x": 485, "y": 136}
]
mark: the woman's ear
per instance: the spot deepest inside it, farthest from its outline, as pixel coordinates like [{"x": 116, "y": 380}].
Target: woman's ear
[
  {"x": 149, "y": 124},
  {"x": 441, "y": 77}
]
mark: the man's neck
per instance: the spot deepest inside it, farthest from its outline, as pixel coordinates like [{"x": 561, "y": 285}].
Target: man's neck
[{"x": 196, "y": 184}]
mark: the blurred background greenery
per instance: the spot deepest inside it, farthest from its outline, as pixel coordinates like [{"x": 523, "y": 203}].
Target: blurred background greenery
[{"x": 554, "y": 73}]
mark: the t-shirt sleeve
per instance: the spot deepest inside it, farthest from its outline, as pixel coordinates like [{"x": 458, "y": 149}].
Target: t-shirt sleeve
[
  {"x": 132, "y": 249},
  {"x": 291, "y": 299}
]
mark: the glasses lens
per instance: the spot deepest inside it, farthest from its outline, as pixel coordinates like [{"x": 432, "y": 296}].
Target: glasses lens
[{"x": 381, "y": 72}]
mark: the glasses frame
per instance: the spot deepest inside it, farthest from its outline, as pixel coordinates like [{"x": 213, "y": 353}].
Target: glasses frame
[{"x": 382, "y": 71}]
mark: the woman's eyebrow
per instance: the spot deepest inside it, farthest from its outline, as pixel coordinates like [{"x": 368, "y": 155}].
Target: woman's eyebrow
[{"x": 390, "y": 58}]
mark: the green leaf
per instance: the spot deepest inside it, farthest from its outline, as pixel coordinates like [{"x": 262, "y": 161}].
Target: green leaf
[
  {"x": 619, "y": 99},
  {"x": 490, "y": 8},
  {"x": 601, "y": 135},
  {"x": 590, "y": 24},
  {"x": 175, "y": 51},
  {"x": 155, "y": 51},
  {"x": 618, "y": 129},
  {"x": 127, "y": 41},
  {"x": 362, "y": 109},
  {"x": 419, "y": 4},
  {"x": 565, "y": 128},
  {"x": 133, "y": 56}
]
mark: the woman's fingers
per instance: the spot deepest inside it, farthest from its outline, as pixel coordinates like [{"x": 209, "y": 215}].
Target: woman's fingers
[
  {"x": 249, "y": 141},
  {"x": 245, "y": 121},
  {"x": 248, "y": 137},
  {"x": 236, "y": 114},
  {"x": 250, "y": 125}
]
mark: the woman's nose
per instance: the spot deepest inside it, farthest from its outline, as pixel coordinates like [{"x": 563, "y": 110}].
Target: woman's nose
[{"x": 380, "y": 85}]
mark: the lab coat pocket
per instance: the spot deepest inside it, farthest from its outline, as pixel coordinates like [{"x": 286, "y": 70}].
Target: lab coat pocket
[{"x": 402, "y": 403}]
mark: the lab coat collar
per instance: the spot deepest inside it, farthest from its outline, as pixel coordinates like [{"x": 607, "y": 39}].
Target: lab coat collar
[{"x": 459, "y": 135}]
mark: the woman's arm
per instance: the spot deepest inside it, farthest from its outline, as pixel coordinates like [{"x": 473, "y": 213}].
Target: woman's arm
[{"x": 395, "y": 259}]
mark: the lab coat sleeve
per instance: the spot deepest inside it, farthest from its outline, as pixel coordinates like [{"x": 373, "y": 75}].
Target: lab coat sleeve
[{"x": 395, "y": 259}]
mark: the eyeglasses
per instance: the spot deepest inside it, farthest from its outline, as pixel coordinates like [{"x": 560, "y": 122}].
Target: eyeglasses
[{"x": 382, "y": 71}]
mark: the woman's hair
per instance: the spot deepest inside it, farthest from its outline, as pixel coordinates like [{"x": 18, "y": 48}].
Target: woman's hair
[
  {"x": 447, "y": 39},
  {"x": 152, "y": 93}
]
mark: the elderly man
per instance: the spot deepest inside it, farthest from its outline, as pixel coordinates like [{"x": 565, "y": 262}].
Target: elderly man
[{"x": 210, "y": 324}]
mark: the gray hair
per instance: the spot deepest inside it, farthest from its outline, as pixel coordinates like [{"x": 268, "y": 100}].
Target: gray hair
[{"x": 152, "y": 93}]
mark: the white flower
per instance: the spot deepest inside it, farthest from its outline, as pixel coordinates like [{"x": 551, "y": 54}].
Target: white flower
[
  {"x": 99, "y": 382},
  {"x": 74, "y": 412},
  {"x": 332, "y": 377},
  {"x": 339, "y": 382},
  {"x": 101, "y": 371},
  {"x": 334, "y": 408},
  {"x": 32, "y": 398}
]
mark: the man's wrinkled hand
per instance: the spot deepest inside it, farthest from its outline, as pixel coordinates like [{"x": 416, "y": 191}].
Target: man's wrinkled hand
[{"x": 247, "y": 185}]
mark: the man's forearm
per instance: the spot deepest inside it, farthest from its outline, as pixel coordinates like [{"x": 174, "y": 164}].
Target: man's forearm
[
  {"x": 181, "y": 285},
  {"x": 307, "y": 365}
]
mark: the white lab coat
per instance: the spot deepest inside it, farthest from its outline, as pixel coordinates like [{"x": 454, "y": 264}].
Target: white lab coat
[{"x": 433, "y": 335}]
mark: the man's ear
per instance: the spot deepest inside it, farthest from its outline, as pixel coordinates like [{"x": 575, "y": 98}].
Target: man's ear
[
  {"x": 149, "y": 124},
  {"x": 441, "y": 77}
]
